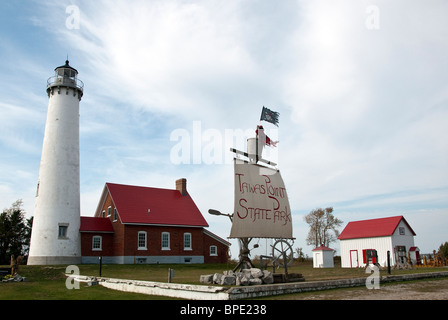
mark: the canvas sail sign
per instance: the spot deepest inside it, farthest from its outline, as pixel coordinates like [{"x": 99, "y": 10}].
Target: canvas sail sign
[{"x": 261, "y": 204}]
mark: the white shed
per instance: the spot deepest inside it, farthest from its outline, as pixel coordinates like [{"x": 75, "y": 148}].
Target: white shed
[
  {"x": 368, "y": 241},
  {"x": 323, "y": 257},
  {"x": 414, "y": 255}
]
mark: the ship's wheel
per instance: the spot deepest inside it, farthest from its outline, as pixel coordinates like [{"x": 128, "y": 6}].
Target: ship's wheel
[{"x": 282, "y": 253}]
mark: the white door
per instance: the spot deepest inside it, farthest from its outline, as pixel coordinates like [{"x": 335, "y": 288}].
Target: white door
[
  {"x": 317, "y": 259},
  {"x": 354, "y": 259}
]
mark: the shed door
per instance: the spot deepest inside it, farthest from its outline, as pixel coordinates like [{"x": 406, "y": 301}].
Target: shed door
[
  {"x": 317, "y": 260},
  {"x": 354, "y": 259},
  {"x": 417, "y": 257}
]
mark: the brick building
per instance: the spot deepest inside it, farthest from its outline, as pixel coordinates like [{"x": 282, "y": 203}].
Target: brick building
[{"x": 134, "y": 224}]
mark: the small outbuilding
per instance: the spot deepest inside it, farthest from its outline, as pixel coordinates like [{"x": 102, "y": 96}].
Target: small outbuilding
[
  {"x": 323, "y": 257},
  {"x": 368, "y": 241},
  {"x": 414, "y": 255}
]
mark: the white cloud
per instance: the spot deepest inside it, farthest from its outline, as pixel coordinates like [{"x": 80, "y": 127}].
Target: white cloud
[
  {"x": 163, "y": 56},
  {"x": 363, "y": 112}
]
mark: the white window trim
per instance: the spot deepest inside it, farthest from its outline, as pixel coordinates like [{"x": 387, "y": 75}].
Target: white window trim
[
  {"x": 101, "y": 243},
  {"x": 166, "y": 247},
  {"x": 138, "y": 240},
  {"x": 216, "y": 251},
  {"x": 190, "y": 248}
]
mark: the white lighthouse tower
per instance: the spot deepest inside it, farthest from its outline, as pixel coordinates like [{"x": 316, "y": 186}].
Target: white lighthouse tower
[{"x": 55, "y": 233}]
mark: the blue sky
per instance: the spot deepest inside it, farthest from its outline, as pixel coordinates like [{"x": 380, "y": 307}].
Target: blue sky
[{"x": 361, "y": 87}]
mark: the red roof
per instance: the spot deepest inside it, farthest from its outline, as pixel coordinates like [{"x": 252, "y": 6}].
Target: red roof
[
  {"x": 145, "y": 205},
  {"x": 95, "y": 224},
  {"x": 323, "y": 248},
  {"x": 216, "y": 237},
  {"x": 381, "y": 227}
]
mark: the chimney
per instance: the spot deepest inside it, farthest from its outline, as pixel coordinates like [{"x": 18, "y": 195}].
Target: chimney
[{"x": 181, "y": 186}]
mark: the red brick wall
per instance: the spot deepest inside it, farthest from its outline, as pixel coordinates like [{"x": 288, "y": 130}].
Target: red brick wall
[
  {"x": 86, "y": 244},
  {"x": 124, "y": 240},
  {"x": 222, "y": 250},
  {"x": 154, "y": 241},
  {"x": 118, "y": 239}
]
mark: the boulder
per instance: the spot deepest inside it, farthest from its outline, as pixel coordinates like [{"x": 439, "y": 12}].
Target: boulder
[
  {"x": 18, "y": 278},
  {"x": 217, "y": 278},
  {"x": 228, "y": 280},
  {"x": 228, "y": 273},
  {"x": 246, "y": 272},
  {"x": 256, "y": 273},
  {"x": 255, "y": 281},
  {"x": 206, "y": 278},
  {"x": 245, "y": 277},
  {"x": 267, "y": 278},
  {"x": 242, "y": 279}
]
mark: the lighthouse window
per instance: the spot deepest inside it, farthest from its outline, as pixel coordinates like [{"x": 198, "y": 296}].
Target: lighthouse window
[
  {"x": 69, "y": 73},
  {"x": 62, "y": 233}
]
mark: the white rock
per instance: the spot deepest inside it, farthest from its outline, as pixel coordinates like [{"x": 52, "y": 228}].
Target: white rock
[
  {"x": 255, "y": 281},
  {"x": 256, "y": 273},
  {"x": 217, "y": 278}
]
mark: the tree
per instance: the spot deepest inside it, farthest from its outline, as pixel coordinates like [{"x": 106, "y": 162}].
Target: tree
[
  {"x": 15, "y": 232},
  {"x": 323, "y": 227},
  {"x": 300, "y": 255},
  {"x": 443, "y": 250}
]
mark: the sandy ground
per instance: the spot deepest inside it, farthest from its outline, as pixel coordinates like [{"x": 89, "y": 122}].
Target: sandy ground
[{"x": 415, "y": 290}]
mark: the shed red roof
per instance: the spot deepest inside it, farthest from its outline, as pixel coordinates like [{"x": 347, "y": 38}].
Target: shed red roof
[
  {"x": 323, "y": 248},
  {"x": 145, "y": 205},
  {"x": 381, "y": 227},
  {"x": 95, "y": 224}
]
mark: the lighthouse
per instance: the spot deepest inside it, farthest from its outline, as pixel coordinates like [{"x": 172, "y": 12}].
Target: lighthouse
[{"x": 55, "y": 235}]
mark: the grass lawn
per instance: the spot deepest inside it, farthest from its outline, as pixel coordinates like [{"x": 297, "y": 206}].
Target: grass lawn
[{"x": 48, "y": 282}]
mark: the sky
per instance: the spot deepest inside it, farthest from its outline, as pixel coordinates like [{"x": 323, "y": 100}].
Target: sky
[{"x": 170, "y": 86}]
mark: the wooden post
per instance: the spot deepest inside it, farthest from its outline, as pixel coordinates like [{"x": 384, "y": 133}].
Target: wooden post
[
  {"x": 388, "y": 262},
  {"x": 101, "y": 264},
  {"x": 244, "y": 262}
]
